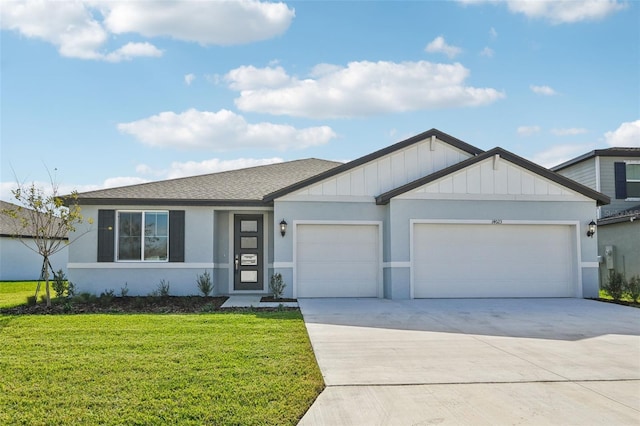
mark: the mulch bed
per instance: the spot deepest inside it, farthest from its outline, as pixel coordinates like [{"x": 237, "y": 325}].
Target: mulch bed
[
  {"x": 271, "y": 299},
  {"x": 125, "y": 305}
]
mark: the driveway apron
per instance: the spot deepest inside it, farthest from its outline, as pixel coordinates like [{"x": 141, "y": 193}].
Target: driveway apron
[{"x": 474, "y": 361}]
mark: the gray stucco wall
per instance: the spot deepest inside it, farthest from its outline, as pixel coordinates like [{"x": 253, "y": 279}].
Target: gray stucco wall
[
  {"x": 625, "y": 239},
  {"x": 207, "y": 247}
]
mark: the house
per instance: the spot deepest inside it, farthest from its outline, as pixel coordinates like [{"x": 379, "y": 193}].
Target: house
[
  {"x": 17, "y": 261},
  {"x": 427, "y": 217},
  {"x": 616, "y": 173}
]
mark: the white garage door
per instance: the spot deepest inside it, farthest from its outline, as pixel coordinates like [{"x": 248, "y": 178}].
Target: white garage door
[
  {"x": 473, "y": 260},
  {"x": 337, "y": 260}
]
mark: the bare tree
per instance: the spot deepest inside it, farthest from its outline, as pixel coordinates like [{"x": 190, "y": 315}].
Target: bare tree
[{"x": 43, "y": 222}]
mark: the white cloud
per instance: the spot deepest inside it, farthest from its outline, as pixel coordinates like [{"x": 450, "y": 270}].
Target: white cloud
[
  {"x": 215, "y": 165},
  {"x": 487, "y": 52},
  {"x": 251, "y": 78},
  {"x": 627, "y": 135},
  {"x": 206, "y": 22},
  {"x": 558, "y": 154},
  {"x": 439, "y": 45},
  {"x": 359, "y": 89},
  {"x": 82, "y": 29},
  {"x": 542, "y": 90},
  {"x": 133, "y": 50},
  {"x": 528, "y": 130},
  {"x": 559, "y": 12},
  {"x": 221, "y": 131},
  {"x": 188, "y": 79},
  {"x": 493, "y": 33},
  {"x": 573, "y": 131}
]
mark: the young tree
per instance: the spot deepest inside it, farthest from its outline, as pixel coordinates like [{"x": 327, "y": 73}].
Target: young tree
[{"x": 43, "y": 221}]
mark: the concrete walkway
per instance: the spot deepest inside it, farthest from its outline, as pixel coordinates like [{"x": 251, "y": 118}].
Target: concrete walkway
[
  {"x": 253, "y": 301},
  {"x": 481, "y": 361}
]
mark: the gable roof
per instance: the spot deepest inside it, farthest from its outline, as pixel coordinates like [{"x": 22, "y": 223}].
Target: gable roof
[
  {"x": 457, "y": 143},
  {"x": 601, "y": 199},
  {"x": 609, "y": 152},
  {"x": 246, "y": 187}
]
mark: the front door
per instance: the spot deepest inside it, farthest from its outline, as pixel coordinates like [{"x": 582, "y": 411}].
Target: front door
[{"x": 248, "y": 252}]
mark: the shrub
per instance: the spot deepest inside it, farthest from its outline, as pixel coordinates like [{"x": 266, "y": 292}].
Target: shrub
[
  {"x": 204, "y": 284},
  {"x": 277, "y": 285},
  {"x": 615, "y": 285},
  {"x": 633, "y": 288},
  {"x": 31, "y": 300},
  {"x": 59, "y": 283},
  {"x": 71, "y": 289},
  {"x": 163, "y": 288},
  {"x": 124, "y": 291}
]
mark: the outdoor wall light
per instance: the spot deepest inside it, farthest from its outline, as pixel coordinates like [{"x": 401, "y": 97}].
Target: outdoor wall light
[
  {"x": 592, "y": 229},
  {"x": 283, "y": 227}
]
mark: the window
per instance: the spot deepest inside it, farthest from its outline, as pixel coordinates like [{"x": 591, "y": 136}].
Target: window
[
  {"x": 633, "y": 180},
  {"x": 143, "y": 236}
]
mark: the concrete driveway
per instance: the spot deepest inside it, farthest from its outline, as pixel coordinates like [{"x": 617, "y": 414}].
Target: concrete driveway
[{"x": 474, "y": 361}]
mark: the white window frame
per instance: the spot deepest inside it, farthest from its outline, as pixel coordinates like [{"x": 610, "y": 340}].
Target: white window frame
[
  {"x": 627, "y": 163},
  {"x": 142, "y": 259}
]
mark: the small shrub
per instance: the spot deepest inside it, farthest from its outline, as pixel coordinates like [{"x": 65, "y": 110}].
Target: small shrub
[
  {"x": 277, "y": 285},
  {"x": 31, "y": 300},
  {"x": 633, "y": 288},
  {"x": 163, "y": 288},
  {"x": 71, "y": 289},
  {"x": 204, "y": 284},
  {"x": 124, "y": 291},
  {"x": 615, "y": 285},
  {"x": 59, "y": 283},
  {"x": 207, "y": 308}
]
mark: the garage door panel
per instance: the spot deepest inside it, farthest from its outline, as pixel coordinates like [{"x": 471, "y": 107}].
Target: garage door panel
[
  {"x": 464, "y": 260},
  {"x": 337, "y": 260}
]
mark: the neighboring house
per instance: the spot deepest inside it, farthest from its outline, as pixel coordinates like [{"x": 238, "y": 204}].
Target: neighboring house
[
  {"x": 18, "y": 262},
  {"x": 428, "y": 217},
  {"x": 616, "y": 173}
]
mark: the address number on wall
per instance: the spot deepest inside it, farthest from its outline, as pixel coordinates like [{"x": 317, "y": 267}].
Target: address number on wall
[{"x": 496, "y": 222}]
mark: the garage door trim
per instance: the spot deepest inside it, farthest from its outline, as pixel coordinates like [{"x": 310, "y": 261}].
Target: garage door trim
[
  {"x": 377, "y": 223},
  {"x": 499, "y": 222}
]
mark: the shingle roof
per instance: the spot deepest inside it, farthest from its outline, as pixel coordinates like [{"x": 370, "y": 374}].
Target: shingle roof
[
  {"x": 609, "y": 152},
  {"x": 236, "y": 187},
  {"x": 600, "y": 199},
  {"x": 12, "y": 226}
]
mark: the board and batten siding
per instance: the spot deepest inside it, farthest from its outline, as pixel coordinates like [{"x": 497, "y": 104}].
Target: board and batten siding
[
  {"x": 494, "y": 177},
  {"x": 386, "y": 173}
]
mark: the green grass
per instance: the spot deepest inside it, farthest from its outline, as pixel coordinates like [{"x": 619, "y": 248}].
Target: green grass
[
  {"x": 16, "y": 293},
  {"x": 253, "y": 368},
  {"x": 625, "y": 297}
]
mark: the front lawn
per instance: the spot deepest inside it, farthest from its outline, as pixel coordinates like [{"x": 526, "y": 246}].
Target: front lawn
[
  {"x": 217, "y": 368},
  {"x": 16, "y": 293}
]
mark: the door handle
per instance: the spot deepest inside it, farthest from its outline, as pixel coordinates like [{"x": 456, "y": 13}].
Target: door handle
[{"x": 237, "y": 263}]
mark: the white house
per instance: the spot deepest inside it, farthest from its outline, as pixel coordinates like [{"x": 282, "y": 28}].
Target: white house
[
  {"x": 427, "y": 217},
  {"x": 18, "y": 262}
]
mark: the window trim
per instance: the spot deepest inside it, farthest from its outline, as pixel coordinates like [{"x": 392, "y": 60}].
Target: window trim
[
  {"x": 142, "y": 259},
  {"x": 627, "y": 180}
]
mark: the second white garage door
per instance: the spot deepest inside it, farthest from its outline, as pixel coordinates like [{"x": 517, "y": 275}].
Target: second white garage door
[
  {"x": 337, "y": 260},
  {"x": 482, "y": 260}
]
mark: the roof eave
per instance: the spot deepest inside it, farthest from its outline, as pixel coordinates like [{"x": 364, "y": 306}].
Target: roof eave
[{"x": 169, "y": 202}]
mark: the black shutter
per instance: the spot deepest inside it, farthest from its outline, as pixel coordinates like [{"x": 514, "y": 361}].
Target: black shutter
[
  {"x": 176, "y": 236},
  {"x": 106, "y": 235},
  {"x": 620, "y": 170}
]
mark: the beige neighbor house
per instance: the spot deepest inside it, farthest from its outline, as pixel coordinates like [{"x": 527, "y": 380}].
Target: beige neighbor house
[
  {"x": 18, "y": 262},
  {"x": 428, "y": 217},
  {"x": 616, "y": 173}
]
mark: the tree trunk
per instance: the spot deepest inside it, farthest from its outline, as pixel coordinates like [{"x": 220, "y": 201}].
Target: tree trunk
[{"x": 46, "y": 280}]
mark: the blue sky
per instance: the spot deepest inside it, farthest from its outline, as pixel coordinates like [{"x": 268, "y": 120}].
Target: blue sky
[{"x": 106, "y": 94}]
